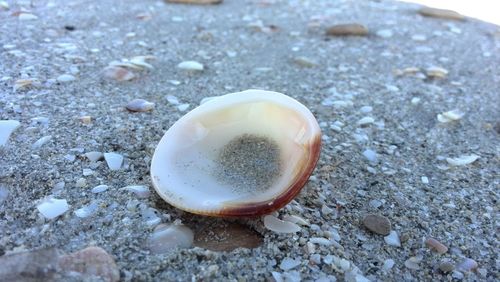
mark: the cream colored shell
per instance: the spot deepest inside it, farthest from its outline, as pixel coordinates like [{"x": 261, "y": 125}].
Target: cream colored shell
[{"x": 183, "y": 162}]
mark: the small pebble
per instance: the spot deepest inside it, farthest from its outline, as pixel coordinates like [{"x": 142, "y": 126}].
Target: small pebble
[
  {"x": 393, "y": 239},
  {"x": 467, "y": 265},
  {"x": 446, "y": 266},
  {"x": 118, "y": 73},
  {"x": 441, "y": 13},
  {"x": 81, "y": 182},
  {"x": 413, "y": 263},
  {"x": 450, "y": 116},
  {"x": 85, "y": 119},
  {"x": 377, "y": 223},
  {"x": 113, "y": 160},
  {"x": 436, "y": 246},
  {"x": 425, "y": 179},
  {"x": 183, "y": 107},
  {"x": 140, "y": 105},
  {"x": 350, "y": 29}
]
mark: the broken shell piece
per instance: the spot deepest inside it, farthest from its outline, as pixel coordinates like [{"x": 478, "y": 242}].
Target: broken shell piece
[
  {"x": 140, "y": 191},
  {"x": 450, "y": 116},
  {"x": 241, "y": 154},
  {"x": 118, "y": 73},
  {"x": 437, "y": 72},
  {"x": 190, "y": 66},
  {"x": 279, "y": 226},
  {"x": 168, "y": 237},
  {"x": 140, "y": 105},
  {"x": 6, "y": 129},
  {"x": 113, "y": 160},
  {"x": 52, "y": 208},
  {"x": 462, "y": 160}
]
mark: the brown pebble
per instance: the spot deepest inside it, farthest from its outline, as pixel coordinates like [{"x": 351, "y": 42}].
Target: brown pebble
[
  {"x": 91, "y": 261},
  {"x": 198, "y": 2},
  {"x": 446, "y": 266},
  {"x": 41, "y": 265},
  {"x": 441, "y": 13},
  {"x": 350, "y": 29},
  {"x": 377, "y": 224},
  {"x": 436, "y": 246}
]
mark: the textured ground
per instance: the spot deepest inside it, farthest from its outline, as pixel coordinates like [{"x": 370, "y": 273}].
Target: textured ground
[{"x": 255, "y": 44}]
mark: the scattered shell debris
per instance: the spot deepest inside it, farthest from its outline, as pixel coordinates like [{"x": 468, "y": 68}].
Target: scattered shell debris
[
  {"x": 94, "y": 156},
  {"x": 277, "y": 225},
  {"x": 7, "y": 127},
  {"x": 436, "y": 72},
  {"x": 393, "y": 239},
  {"x": 193, "y": 66},
  {"x": 166, "y": 238},
  {"x": 462, "y": 160},
  {"x": 99, "y": 188},
  {"x": 42, "y": 141},
  {"x": 51, "y": 208},
  {"x": 140, "y": 191},
  {"x": 450, "y": 116},
  {"x": 140, "y": 105},
  {"x": 114, "y": 160}
]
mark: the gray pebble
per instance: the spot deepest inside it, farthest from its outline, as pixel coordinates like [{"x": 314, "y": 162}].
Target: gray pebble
[{"x": 377, "y": 223}]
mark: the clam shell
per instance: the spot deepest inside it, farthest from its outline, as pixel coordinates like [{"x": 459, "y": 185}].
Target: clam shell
[{"x": 186, "y": 166}]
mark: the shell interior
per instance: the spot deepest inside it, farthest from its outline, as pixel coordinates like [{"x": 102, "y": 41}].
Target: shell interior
[{"x": 240, "y": 149}]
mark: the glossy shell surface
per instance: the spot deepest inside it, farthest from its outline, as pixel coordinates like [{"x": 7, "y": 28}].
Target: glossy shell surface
[{"x": 184, "y": 165}]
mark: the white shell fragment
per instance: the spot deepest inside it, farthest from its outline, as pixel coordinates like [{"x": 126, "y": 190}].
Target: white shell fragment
[
  {"x": 437, "y": 72},
  {"x": 288, "y": 263},
  {"x": 279, "y": 226},
  {"x": 140, "y": 191},
  {"x": 27, "y": 17},
  {"x": 295, "y": 219},
  {"x": 462, "y": 160},
  {"x": 203, "y": 165},
  {"x": 113, "y": 160},
  {"x": 168, "y": 237},
  {"x": 99, "y": 189},
  {"x": 86, "y": 211},
  {"x": 140, "y": 105},
  {"x": 6, "y": 129},
  {"x": 365, "y": 121},
  {"x": 40, "y": 142},
  {"x": 393, "y": 239},
  {"x": 52, "y": 208},
  {"x": 94, "y": 156},
  {"x": 190, "y": 66},
  {"x": 118, "y": 73},
  {"x": 450, "y": 116},
  {"x": 65, "y": 78}
]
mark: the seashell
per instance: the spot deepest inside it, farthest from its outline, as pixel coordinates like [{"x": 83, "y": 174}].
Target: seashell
[
  {"x": 140, "y": 105},
  {"x": 241, "y": 154}
]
